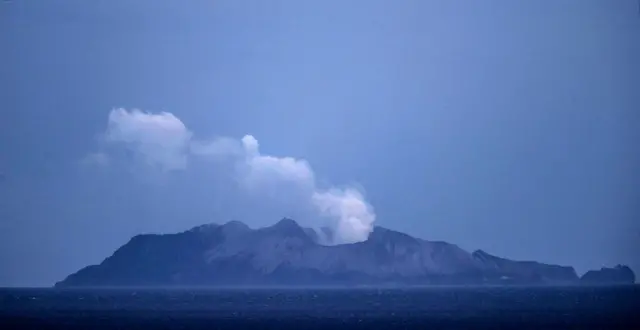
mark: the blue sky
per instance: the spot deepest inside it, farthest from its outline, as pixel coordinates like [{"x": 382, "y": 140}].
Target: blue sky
[{"x": 508, "y": 126}]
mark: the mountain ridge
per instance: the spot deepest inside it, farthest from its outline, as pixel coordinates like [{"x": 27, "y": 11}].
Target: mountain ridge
[{"x": 286, "y": 253}]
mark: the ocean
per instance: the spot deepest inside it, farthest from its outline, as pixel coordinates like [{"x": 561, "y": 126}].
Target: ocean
[{"x": 612, "y": 307}]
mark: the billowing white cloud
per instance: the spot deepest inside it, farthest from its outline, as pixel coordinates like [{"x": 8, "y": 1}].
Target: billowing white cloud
[
  {"x": 220, "y": 147},
  {"x": 353, "y": 216},
  {"x": 250, "y": 145},
  {"x": 265, "y": 169},
  {"x": 163, "y": 140}
]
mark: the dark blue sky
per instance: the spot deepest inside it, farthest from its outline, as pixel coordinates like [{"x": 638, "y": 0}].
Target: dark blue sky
[{"x": 510, "y": 126}]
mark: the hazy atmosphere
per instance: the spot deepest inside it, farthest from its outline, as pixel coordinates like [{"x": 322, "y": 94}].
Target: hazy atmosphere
[{"x": 507, "y": 126}]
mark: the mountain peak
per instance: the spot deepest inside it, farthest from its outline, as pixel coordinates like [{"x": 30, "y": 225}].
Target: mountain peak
[
  {"x": 287, "y": 223},
  {"x": 235, "y": 224},
  {"x": 234, "y": 227},
  {"x": 288, "y": 227}
]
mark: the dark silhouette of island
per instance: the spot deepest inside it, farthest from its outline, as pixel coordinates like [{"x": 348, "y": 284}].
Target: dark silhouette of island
[
  {"x": 617, "y": 274},
  {"x": 287, "y": 254}
]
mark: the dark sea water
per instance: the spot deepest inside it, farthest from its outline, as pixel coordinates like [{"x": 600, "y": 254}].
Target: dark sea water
[{"x": 616, "y": 307}]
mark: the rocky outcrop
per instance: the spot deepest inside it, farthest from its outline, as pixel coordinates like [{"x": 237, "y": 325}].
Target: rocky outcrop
[{"x": 619, "y": 274}]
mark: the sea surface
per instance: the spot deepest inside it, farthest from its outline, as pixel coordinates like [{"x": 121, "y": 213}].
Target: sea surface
[{"x": 614, "y": 307}]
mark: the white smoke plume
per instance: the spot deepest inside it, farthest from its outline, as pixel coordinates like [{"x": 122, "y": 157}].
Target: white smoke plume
[
  {"x": 160, "y": 139},
  {"x": 353, "y": 216},
  {"x": 163, "y": 140}
]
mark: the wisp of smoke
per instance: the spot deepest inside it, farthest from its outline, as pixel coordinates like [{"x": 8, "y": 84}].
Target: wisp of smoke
[{"x": 163, "y": 140}]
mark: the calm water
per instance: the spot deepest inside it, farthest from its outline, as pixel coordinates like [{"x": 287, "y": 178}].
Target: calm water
[{"x": 488, "y": 307}]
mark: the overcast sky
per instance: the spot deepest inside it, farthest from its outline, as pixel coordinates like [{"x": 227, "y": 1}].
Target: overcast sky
[{"x": 507, "y": 126}]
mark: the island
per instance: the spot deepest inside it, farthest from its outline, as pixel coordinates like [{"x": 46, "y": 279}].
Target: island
[{"x": 287, "y": 254}]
